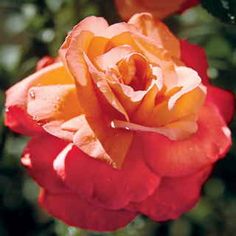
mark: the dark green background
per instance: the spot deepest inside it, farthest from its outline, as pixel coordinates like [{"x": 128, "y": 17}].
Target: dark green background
[{"x": 34, "y": 28}]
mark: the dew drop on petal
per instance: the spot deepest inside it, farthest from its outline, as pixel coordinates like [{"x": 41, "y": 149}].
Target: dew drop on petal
[
  {"x": 226, "y": 131},
  {"x": 113, "y": 125},
  {"x": 127, "y": 128},
  {"x": 32, "y": 94},
  {"x": 26, "y": 160}
]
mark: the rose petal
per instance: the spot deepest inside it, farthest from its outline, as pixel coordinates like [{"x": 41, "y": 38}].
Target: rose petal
[
  {"x": 85, "y": 79},
  {"x": 56, "y": 129},
  {"x": 177, "y": 130},
  {"x": 224, "y": 100},
  {"x": 16, "y": 97},
  {"x": 44, "y": 62},
  {"x": 187, "y": 85},
  {"x": 90, "y": 26},
  {"x": 187, "y": 4},
  {"x": 100, "y": 81},
  {"x": 178, "y": 158},
  {"x": 53, "y": 74},
  {"x": 75, "y": 211},
  {"x": 103, "y": 185},
  {"x": 173, "y": 197},
  {"x": 195, "y": 57},
  {"x": 86, "y": 140},
  {"x": 157, "y": 31},
  {"x": 38, "y": 157},
  {"x": 53, "y": 102},
  {"x": 158, "y": 56},
  {"x": 19, "y": 121},
  {"x": 159, "y": 115},
  {"x": 112, "y": 57}
]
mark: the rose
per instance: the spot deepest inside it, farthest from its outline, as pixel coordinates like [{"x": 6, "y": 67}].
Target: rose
[
  {"x": 121, "y": 124},
  {"x": 159, "y": 8}
]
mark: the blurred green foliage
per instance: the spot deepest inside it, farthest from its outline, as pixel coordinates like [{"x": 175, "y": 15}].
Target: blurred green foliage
[
  {"x": 225, "y": 10},
  {"x": 30, "y": 29}
]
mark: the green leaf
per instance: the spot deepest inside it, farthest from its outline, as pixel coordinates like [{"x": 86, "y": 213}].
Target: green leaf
[{"x": 225, "y": 10}]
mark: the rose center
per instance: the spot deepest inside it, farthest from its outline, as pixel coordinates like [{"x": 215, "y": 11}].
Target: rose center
[{"x": 135, "y": 72}]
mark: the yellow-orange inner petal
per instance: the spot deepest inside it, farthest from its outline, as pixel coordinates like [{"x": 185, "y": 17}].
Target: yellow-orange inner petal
[{"x": 53, "y": 102}]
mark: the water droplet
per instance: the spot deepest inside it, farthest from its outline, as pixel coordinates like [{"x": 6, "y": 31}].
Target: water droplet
[
  {"x": 127, "y": 128},
  {"x": 6, "y": 109},
  {"x": 32, "y": 94},
  {"x": 113, "y": 125}
]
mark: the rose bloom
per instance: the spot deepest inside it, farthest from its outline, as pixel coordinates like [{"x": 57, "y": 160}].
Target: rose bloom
[
  {"x": 159, "y": 8},
  {"x": 123, "y": 122}
]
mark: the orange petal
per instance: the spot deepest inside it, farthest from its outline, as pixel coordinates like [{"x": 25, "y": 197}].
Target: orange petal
[
  {"x": 174, "y": 131},
  {"x": 93, "y": 25},
  {"x": 157, "y": 31},
  {"x": 53, "y": 74},
  {"x": 124, "y": 38},
  {"x": 158, "y": 56},
  {"x": 99, "y": 141},
  {"x": 102, "y": 84},
  {"x": 188, "y": 80},
  {"x": 53, "y": 102},
  {"x": 187, "y": 105},
  {"x": 97, "y": 47},
  {"x": 112, "y": 57},
  {"x": 129, "y": 98}
]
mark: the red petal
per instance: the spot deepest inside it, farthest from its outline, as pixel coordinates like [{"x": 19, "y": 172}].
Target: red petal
[
  {"x": 103, "y": 185},
  {"x": 38, "y": 158},
  {"x": 195, "y": 57},
  {"x": 19, "y": 121},
  {"x": 224, "y": 100},
  {"x": 45, "y": 61},
  {"x": 188, "y": 4},
  {"x": 75, "y": 211},
  {"x": 178, "y": 158},
  {"x": 173, "y": 197}
]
